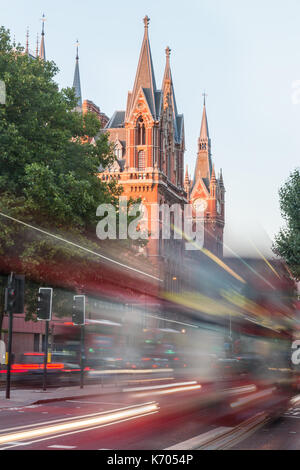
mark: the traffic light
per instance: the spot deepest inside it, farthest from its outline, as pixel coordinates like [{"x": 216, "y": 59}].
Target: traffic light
[
  {"x": 44, "y": 308},
  {"x": 14, "y": 294},
  {"x": 78, "y": 313}
]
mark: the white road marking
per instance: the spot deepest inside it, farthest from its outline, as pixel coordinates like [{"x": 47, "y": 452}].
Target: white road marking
[{"x": 197, "y": 441}]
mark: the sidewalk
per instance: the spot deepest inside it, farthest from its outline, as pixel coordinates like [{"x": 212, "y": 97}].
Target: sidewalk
[{"x": 25, "y": 397}]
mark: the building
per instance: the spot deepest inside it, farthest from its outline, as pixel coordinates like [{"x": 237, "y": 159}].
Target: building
[
  {"x": 208, "y": 191},
  {"x": 149, "y": 144}
]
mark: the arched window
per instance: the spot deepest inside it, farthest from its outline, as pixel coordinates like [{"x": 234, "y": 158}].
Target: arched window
[
  {"x": 141, "y": 132},
  {"x": 141, "y": 160}
]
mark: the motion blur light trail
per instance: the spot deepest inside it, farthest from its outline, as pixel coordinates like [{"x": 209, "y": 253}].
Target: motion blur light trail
[
  {"x": 253, "y": 397},
  {"x": 137, "y": 389},
  {"x": 101, "y": 419},
  {"x": 166, "y": 391}
]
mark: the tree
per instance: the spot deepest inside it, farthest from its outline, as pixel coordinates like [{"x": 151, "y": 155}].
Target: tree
[
  {"x": 287, "y": 242},
  {"x": 48, "y": 168}
]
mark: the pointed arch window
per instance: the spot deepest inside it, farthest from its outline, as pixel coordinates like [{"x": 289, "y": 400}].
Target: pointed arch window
[{"x": 141, "y": 131}]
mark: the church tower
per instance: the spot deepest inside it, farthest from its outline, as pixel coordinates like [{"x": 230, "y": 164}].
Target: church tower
[
  {"x": 148, "y": 138},
  {"x": 209, "y": 191}
]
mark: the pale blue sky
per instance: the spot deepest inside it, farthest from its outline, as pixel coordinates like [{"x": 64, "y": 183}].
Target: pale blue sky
[{"x": 244, "y": 54}]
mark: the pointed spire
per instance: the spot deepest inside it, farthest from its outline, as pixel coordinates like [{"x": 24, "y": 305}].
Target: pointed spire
[
  {"x": 204, "y": 134},
  {"x": 187, "y": 183},
  {"x": 186, "y": 178},
  {"x": 167, "y": 75},
  {"x": 213, "y": 175},
  {"x": 42, "y": 54},
  {"x": 37, "y": 46},
  {"x": 27, "y": 42},
  {"x": 145, "y": 77},
  {"x": 221, "y": 179},
  {"x": 76, "y": 82},
  {"x": 203, "y": 164},
  {"x": 168, "y": 89}
]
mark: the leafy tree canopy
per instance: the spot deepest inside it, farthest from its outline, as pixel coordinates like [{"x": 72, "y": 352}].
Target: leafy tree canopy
[
  {"x": 287, "y": 242},
  {"x": 48, "y": 168}
]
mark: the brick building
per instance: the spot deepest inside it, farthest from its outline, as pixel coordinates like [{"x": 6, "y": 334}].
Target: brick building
[{"x": 149, "y": 144}]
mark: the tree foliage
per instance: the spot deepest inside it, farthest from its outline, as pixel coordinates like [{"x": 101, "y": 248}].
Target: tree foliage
[
  {"x": 48, "y": 167},
  {"x": 287, "y": 242}
]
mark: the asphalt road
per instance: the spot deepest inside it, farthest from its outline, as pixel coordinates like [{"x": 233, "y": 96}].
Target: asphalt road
[
  {"x": 153, "y": 431},
  {"x": 136, "y": 421},
  {"x": 280, "y": 434}
]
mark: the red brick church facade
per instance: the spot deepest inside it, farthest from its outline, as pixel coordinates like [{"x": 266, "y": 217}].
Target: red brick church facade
[{"x": 149, "y": 143}]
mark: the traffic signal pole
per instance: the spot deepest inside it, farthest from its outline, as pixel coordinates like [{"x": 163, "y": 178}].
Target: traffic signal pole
[
  {"x": 44, "y": 313},
  {"x": 82, "y": 356},
  {"x": 78, "y": 318},
  {"x": 9, "y": 310},
  {"x": 9, "y": 349},
  {"x": 46, "y": 355},
  {"x": 14, "y": 303}
]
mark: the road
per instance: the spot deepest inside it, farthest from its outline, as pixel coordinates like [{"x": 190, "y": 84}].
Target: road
[
  {"x": 143, "y": 420},
  {"x": 280, "y": 434}
]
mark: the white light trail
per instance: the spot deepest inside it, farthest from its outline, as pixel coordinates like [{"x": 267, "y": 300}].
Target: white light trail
[{"x": 80, "y": 423}]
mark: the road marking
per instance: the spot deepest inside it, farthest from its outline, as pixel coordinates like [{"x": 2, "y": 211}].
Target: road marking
[
  {"x": 197, "y": 441},
  {"x": 222, "y": 437}
]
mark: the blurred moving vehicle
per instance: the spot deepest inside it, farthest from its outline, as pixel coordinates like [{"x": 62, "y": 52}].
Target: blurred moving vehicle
[{"x": 28, "y": 368}]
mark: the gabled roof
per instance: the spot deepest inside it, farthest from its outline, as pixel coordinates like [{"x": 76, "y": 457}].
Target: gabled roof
[
  {"x": 145, "y": 77},
  {"x": 202, "y": 185},
  {"x": 117, "y": 120}
]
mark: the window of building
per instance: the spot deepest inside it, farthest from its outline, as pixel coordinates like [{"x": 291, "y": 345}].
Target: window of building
[
  {"x": 141, "y": 160},
  {"x": 141, "y": 132}
]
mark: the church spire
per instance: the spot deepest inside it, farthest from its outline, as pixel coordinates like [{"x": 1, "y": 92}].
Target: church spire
[
  {"x": 76, "y": 82},
  {"x": 27, "y": 42},
  {"x": 37, "y": 46},
  {"x": 187, "y": 182},
  {"x": 203, "y": 164},
  {"x": 145, "y": 77},
  {"x": 42, "y": 54},
  {"x": 204, "y": 134}
]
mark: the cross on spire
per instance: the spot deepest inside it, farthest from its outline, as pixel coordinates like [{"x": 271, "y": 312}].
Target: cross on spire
[{"x": 204, "y": 97}]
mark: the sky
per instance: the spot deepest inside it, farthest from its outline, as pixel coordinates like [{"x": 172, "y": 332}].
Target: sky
[{"x": 244, "y": 54}]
